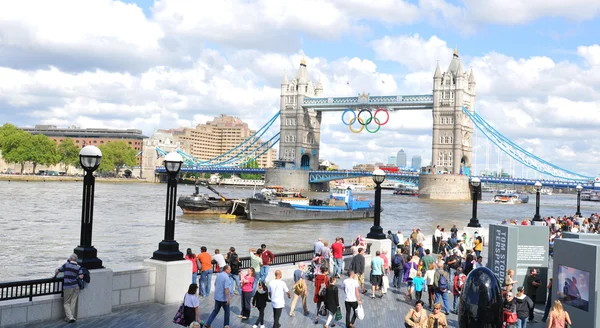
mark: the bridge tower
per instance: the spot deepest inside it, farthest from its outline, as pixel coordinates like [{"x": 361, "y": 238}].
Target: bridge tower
[
  {"x": 300, "y": 127},
  {"x": 452, "y": 139}
]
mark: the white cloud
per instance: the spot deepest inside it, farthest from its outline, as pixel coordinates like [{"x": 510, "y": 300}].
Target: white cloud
[{"x": 412, "y": 51}]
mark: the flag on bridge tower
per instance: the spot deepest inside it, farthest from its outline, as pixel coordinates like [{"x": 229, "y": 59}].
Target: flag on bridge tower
[
  {"x": 348, "y": 82},
  {"x": 382, "y": 81}
]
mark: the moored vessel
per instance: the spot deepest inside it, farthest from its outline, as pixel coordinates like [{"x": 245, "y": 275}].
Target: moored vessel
[
  {"x": 197, "y": 203},
  {"x": 511, "y": 198},
  {"x": 407, "y": 191}
]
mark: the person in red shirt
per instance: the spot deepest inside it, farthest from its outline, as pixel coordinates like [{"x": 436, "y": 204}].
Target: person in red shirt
[
  {"x": 459, "y": 282},
  {"x": 338, "y": 257},
  {"x": 321, "y": 280},
  {"x": 267, "y": 258}
]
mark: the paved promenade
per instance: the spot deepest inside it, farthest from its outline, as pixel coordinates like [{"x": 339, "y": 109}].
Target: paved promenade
[{"x": 380, "y": 312}]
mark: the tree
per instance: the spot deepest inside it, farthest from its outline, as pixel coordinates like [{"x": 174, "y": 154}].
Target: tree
[
  {"x": 116, "y": 155},
  {"x": 253, "y": 164},
  {"x": 68, "y": 153},
  {"x": 42, "y": 150},
  {"x": 16, "y": 145},
  {"x": 6, "y": 130}
]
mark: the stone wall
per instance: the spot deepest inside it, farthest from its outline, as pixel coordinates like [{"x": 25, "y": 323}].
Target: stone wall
[
  {"x": 444, "y": 187},
  {"x": 132, "y": 286},
  {"x": 294, "y": 180}
]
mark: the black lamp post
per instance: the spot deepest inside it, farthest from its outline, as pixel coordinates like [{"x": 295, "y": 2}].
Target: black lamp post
[
  {"x": 579, "y": 188},
  {"x": 376, "y": 230},
  {"x": 474, "y": 222},
  {"x": 89, "y": 158},
  {"x": 538, "y": 188},
  {"x": 168, "y": 249}
]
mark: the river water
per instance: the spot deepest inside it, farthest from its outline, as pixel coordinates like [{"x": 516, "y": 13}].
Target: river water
[{"x": 40, "y": 223}]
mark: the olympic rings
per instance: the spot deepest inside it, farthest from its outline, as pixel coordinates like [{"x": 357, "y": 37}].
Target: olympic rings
[
  {"x": 376, "y": 121},
  {"x": 368, "y": 111},
  {"x": 360, "y": 121},
  {"x": 365, "y": 122},
  {"x": 344, "y": 113}
]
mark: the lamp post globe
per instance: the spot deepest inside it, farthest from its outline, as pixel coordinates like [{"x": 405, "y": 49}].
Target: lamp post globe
[
  {"x": 475, "y": 183},
  {"x": 538, "y": 188},
  {"x": 579, "y": 188},
  {"x": 168, "y": 248},
  {"x": 89, "y": 158},
  {"x": 376, "y": 230}
]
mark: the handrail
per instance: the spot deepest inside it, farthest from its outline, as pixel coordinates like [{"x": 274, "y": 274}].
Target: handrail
[{"x": 31, "y": 288}]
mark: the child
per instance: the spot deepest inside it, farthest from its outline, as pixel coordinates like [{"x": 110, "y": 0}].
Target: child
[
  {"x": 259, "y": 301},
  {"x": 418, "y": 283}
]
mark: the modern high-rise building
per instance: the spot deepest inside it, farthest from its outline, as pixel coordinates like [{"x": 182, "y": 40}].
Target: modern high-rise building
[
  {"x": 392, "y": 159},
  {"x": 416, "y": 162},
  {"x": 401, "y": 158},
  {"x": 216, "y": 137}
]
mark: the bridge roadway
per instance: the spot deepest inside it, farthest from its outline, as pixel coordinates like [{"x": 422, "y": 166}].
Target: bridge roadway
[{"x": 412, "y": 177}]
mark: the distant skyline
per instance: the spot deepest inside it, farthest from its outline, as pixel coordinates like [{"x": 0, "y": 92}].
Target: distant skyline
[{"x": 166, "y": 64}]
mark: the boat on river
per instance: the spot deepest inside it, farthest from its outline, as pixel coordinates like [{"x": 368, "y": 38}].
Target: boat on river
[
  {"x": 197, "y": 203},
  {"x": 407, "y": 191},
  {"x": 511, "y": 198},
  {"x": 341, "y": 205}
]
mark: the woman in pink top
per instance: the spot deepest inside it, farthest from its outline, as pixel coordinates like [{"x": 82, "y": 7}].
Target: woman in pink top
[
  {"x": 192, "y": 258},
  {"x": 247, "y": 283},
  {"x": 558, "y": 316}
]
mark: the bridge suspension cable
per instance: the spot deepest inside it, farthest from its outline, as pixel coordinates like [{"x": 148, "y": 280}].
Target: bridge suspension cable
[{"x": 519, "y": 154}]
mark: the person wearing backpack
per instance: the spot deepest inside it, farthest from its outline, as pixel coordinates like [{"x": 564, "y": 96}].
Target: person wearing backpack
[
  {"x": 394, "y": 238},
  {"x": 72, "y": 271},
  {"x": 299, "y": 289},
  {"x": 234, "y": 262},
  {"x": 440, "y": 285},
  {"x": 459, "y": 282},
  {"x": 398, "y": 266}
]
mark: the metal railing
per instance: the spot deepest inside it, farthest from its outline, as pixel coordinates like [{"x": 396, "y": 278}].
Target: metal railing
[
  {"x": 30, "y": 288},
  {"x": 287, "y": 258}
]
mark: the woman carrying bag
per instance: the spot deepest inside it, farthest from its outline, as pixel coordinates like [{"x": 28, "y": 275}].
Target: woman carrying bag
[
  {"x": 332, "y": 303},
  {"x": 189, "y": 306}
]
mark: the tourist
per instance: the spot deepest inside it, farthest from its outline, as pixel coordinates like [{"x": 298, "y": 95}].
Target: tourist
[
  {"x": 71, "y": 271},
  {"x": 524, "y": 304},
  {"x": 222, "y": 292},
  {"x": 332, "y": 302},
  {"x": 300, "y": 289},
  {"x": 337, "y": 249},
  {"x": 247, "y": 284},
  {"x": 358, "y": 266},
  {"x": 510, "y": 310},
  {"x": 426, "y": 261},
  {"x": 440, "y": 285},
  {"x": 429, "y": 277},
  {"x": 443, "y": 250},
  {"x": 469, "y": 263},
  {"x": 416, "y": 317},
  {"x": 190, "y": 305},
  {"x": 478, "y": 263},
  {"x": 321, "y": 282},
  {"x": 277, "y": 291},
  {"x": 234, "y": 262},
  {"x": 454, "y": 232},
  {"x": 267, "y": 258},
  {"x": 376, "y": 273},
  {"x": 318, "y": 246},
  {"x": 413, "y": 241},
  {"x": 508, "y": 280},
  {"x": 192, "y": 258},
  {"x": 400, "y": 238},
  {"x": 398, "y": 267},
  {"x": 458, "y": 283},
  {"x": 453, "y": 261},
  {"x": 531, "y": 285},
  {"x": 205, "y": 271},
  {"x": 437, "y": 237},
  {"x": 259, "y": 301},
  {"x": 352, "y": 298},
  {"x": 354, "y": 248},
  {"x": 394, "y": 239},
  {"x": 437, "y": 318},
  {"x": 558, "y": 316},
  {"x": 418, "y": 283},
  {"x": 478, "y": 246},
  {"x": 548, "y": 301},
  {"x": 219, "y": 260},
  {"x": 255, "y": 263},
  {"x": 410, "y": 271}
]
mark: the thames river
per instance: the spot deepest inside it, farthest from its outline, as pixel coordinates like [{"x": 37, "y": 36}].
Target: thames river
[{"x": 40, "y": 223}]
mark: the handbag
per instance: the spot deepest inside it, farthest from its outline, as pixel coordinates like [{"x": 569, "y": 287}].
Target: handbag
[
  {"x": 413, "y": 272},
  {"x": 323, "y": 310},
  {"x": 360, "y": 312},
  {"x": 179, "y": 317},
  {"x": 510, "y": 317},
  {"x": 338, "y": 314}
]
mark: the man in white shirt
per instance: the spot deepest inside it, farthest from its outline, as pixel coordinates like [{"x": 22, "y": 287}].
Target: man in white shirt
[
  {"x": 437, "y": 237},
  {"x": 277, "y": 288},
  {"x": 352, "y": 297},
  {"x": 400, "y": 238},
  {"x": 219, "y": 259}
]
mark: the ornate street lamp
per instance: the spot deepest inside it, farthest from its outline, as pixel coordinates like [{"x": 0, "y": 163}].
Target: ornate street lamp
[
  {"x": 538, "y": 188},
  {"x": 579, "y": 188},
  {"x": 168, "y": 249},
  {"x": 376, "y": 230},
  {"x": 89, "y": 158},
  {"x": 474, "y": 222}
]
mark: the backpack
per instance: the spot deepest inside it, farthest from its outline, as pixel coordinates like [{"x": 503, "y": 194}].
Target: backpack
[
  {"x": 395, "y": 239},
  {"x": 86, "y": 278},
  {"x": 299, "y": 287},
  {"x": 461, "y": 281},
  {"x": 397, "y": 261},
  {"x": 442, "y": 283}
]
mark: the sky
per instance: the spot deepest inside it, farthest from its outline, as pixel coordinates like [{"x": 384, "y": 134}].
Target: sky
[{"x": 171, "y": 63}]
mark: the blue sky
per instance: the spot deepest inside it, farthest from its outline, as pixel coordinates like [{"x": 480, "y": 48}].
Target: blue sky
[{"x": 156, "y": 65}]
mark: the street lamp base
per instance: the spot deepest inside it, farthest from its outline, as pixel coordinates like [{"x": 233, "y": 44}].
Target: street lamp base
[
  {"x": 87, "y": 257},
  {"x": 168, "y": 251},
  {"x": 537, "y": 218},
  {"x": 376, "y": 233},
  {"x": 474, "y": 223}
]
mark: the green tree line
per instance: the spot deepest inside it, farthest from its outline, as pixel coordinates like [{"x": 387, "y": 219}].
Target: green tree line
[{"x": 20, "y": 147}]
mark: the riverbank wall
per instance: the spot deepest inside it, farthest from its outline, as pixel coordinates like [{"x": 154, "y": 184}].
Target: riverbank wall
[{"x": 48, "y": 178}]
